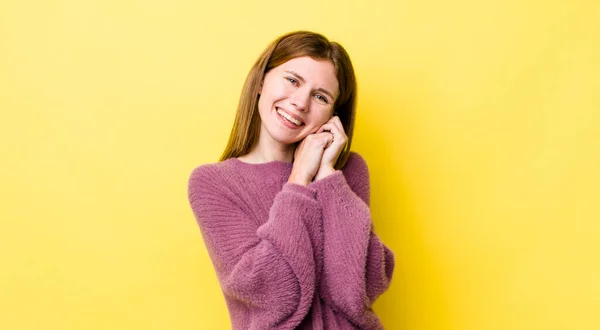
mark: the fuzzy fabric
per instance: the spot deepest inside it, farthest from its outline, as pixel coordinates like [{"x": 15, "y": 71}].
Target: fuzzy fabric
[{"x": 289, "y": 256}]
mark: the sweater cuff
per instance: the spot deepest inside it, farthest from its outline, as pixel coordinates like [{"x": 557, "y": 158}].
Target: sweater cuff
[
  {"x": 300, "y": 189},
  {"x": 335, "y": 180}
]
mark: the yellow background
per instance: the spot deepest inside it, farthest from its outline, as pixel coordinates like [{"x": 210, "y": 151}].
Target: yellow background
[{"x": 480, "y": 122}]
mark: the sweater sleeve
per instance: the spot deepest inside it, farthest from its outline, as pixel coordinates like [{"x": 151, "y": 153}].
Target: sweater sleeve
[
  {"x": 266, "y": 270},
  {"x": 357, "y": 266}
]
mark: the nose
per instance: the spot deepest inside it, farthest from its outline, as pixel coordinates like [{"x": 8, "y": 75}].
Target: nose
[{"x": 300, "y": 100}]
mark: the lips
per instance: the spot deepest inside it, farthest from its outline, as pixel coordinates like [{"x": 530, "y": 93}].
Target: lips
[{"x": 290, "y": 117}]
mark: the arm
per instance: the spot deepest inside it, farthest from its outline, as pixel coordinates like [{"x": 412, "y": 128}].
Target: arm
[
  {"x": 358, "y": 267},
  {"x": 267, "y": 270}
]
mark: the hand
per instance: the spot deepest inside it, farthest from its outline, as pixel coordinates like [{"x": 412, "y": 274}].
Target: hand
[
  {"x": 307, "y": 157},
  {"x": 331, "y": 154}
]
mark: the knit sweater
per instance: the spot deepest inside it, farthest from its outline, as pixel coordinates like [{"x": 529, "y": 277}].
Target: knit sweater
[{"x": 290, "y": 256}]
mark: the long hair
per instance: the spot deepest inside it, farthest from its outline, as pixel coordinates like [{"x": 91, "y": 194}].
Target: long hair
[{"x": 246, "y": 127}]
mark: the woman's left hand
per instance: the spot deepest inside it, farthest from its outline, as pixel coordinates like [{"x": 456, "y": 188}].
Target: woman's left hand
[{"x": 332, "y": 152}]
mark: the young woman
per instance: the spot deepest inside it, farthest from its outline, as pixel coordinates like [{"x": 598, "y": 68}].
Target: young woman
[{"x": 285, "y": 214}]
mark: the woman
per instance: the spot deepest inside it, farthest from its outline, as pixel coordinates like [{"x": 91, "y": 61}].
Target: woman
[{"x": 285, "y": 215}]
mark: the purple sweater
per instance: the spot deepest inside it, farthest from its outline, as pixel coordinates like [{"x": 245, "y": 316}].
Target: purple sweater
[{"x": 289, "y": 256}]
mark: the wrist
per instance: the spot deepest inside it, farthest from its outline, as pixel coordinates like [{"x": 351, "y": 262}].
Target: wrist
[
  {"x": 324, "y": 172},
  {"x": 295, "y": 179}
]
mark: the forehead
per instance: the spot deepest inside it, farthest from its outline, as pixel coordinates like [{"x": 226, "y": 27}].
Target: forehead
[{"x": 318, "y": 72}]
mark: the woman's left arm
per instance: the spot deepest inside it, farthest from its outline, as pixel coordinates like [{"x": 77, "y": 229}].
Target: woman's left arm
[{"x": 357, "y": 266}]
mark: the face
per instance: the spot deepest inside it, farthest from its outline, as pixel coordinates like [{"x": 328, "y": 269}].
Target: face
[{"x": 296, "y": 99}]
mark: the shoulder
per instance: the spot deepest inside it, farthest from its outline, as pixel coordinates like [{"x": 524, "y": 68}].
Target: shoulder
[
  {"x": 356, "y": 166},
  {"x": 208, "y": 171},
  {"x": 356, "y": 173},
  {"x": 209, "y": 177}
]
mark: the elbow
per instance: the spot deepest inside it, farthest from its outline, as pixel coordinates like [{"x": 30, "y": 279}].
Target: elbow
[{"x": 379, "y": 278}]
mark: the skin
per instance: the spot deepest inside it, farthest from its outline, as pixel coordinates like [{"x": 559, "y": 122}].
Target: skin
[{"x": 306, "y": 89}]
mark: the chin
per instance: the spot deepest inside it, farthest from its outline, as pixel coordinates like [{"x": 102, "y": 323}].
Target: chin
[{"x": 286, "y": 139}]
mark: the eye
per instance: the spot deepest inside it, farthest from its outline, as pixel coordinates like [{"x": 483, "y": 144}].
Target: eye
[
  {"x": 321, "y": 98},
  {"x": 292, "y": 80}
]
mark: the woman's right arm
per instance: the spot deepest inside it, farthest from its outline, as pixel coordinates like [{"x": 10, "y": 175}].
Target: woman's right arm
[{"x": 268, "y": 270}]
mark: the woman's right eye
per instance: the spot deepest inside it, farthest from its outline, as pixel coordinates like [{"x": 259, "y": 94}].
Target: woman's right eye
[{"x": 292, "y": 80}]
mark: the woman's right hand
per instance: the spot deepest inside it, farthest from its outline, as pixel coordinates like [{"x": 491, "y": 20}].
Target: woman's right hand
[{"x": 307, "y": 157}]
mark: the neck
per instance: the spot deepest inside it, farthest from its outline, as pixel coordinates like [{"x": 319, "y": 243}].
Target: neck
[
  {"x": 263, "y": 155},
  {"x": 269, "y": 151}
]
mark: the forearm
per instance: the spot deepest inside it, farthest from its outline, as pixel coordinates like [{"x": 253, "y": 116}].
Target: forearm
[{"x": 357, "y": 266}]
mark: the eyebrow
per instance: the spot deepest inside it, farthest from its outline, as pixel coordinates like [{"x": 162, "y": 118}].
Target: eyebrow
[{"x": 321, "y": 89}]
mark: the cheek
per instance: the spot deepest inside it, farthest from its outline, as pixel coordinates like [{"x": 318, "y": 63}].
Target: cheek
[
  {"x": 269, "y": 94},
  {"x": 323, "y": 118},
  {"x": 264, "y": 106},
  {"x": 275, "y": 90},
  {"x": 327, "y": 114}
]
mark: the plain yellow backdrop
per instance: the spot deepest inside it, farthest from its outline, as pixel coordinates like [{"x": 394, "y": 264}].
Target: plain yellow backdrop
[{"x": 479, "y": 120}]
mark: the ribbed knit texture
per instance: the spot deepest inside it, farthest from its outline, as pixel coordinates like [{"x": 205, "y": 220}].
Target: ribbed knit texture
[{"x": 289, "y": 256}]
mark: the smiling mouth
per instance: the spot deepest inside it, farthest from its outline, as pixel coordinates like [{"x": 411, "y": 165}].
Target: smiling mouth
[{"x": 289, "y": 118}]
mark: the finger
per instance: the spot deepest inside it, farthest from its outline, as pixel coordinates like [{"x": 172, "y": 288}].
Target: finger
[
  {"x": 338, "y": 134},
  {"x": 327, "y": 127},
  {"x": 325, "y": 135},
  {"x": 341, "y": 132},
  {"x": 329, "y": 138},
  {"x": 324, "y": 139},
  {"x": 337, "y": 122}
]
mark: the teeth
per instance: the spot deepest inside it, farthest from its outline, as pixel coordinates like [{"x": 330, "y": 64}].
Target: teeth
[{"x": 288, "y": 117}]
